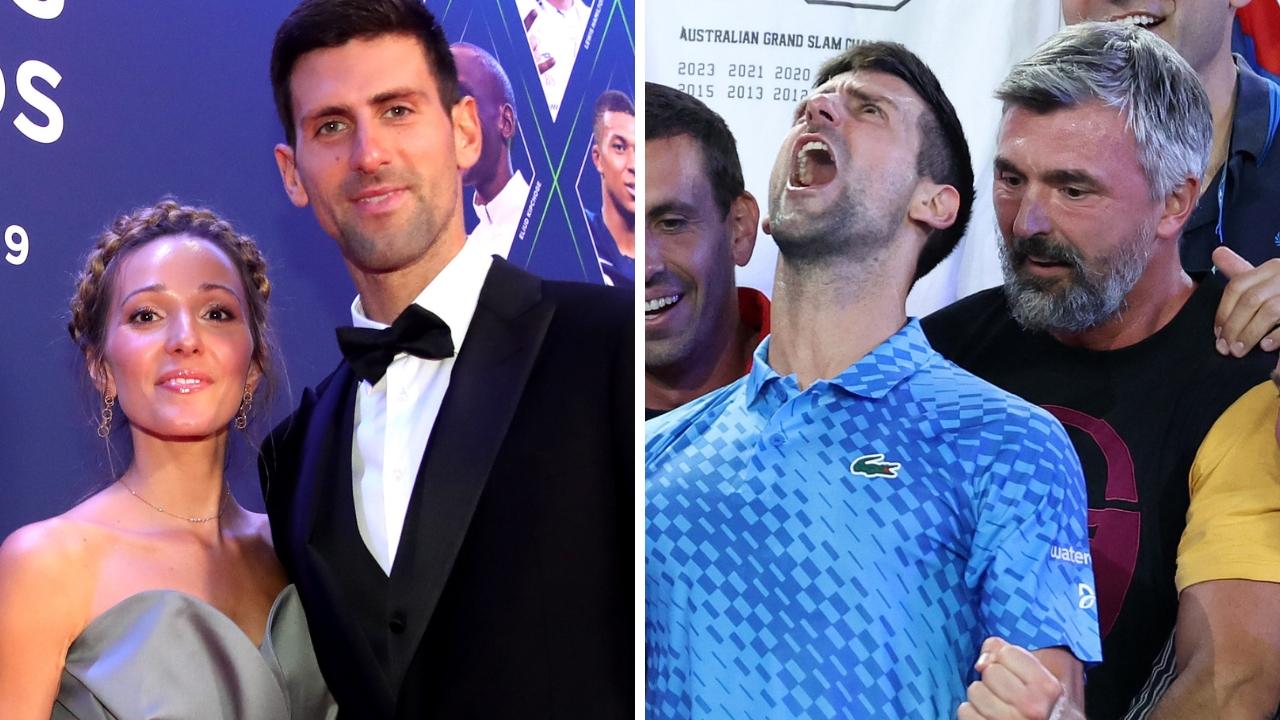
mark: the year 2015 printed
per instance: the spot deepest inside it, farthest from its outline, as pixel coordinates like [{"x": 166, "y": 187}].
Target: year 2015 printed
[{"x": 702, "y": 91}]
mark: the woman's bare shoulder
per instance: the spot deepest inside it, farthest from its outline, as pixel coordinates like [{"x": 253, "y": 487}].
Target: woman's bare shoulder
[
  {"x": 47, "y": 576},
  {"x": 65, "y": 549},
  {"x": 57, "y": 550}
]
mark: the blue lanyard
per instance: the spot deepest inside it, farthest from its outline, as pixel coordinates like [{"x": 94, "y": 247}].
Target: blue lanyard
[
  {"x": 1273, "y": 122},
  {"x": 1274, "y": 117}
]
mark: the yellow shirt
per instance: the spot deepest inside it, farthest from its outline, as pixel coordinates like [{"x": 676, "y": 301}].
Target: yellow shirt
[{"x": 1233, "y": 522}]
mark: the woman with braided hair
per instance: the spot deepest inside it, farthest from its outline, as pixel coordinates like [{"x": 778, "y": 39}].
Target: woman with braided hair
[{"x": 160, "y": 596}]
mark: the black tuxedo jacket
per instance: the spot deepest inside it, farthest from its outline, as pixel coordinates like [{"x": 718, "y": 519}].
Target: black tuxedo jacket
[{"x": 512, "y": 589}]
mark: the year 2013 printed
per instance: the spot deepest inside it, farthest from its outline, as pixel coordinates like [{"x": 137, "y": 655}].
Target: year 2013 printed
[{"x": 17, "y": 243}]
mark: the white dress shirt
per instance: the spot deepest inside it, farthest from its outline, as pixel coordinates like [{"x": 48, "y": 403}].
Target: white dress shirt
[
  {"x": 500, "y": 217},
  {"x": 394, "y": 418}
]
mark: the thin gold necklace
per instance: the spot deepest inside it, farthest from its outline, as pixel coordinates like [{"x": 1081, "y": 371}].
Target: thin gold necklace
[{"x": 222, "y": 505}]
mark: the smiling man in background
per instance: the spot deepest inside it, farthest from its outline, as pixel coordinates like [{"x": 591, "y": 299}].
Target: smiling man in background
[{"x": 699, "y": 327}]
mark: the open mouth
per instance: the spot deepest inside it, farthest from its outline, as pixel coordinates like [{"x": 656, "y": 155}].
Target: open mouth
[
  {"x": 1142, "y": 20},
  {"x": 1045, "y": 262},
  {"x": 814, "y": 165},
  {"x": 659, "y": 305},
  {"x": 183, "y": 382},
  {"x": 1041, "y": 264}
]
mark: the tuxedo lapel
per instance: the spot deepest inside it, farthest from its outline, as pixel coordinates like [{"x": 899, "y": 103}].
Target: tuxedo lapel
[
  {"x": 326, "y": 455},
  {"x": 487, "y": 383},
  {"x": 325, "y": 528}
]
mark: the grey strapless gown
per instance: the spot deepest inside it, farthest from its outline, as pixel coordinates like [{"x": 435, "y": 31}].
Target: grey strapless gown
[{"x": 166, "y": 654}]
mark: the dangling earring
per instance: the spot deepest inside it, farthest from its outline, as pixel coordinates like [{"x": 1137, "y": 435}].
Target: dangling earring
[
  {"x": 104, "y": 427},
  {"x": 246, "y": 402}
]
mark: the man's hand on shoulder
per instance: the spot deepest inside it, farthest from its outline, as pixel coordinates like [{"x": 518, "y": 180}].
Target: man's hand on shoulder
[
  {"x": 1249, "y": 313},
  {"x": 1017, "y": 683}
]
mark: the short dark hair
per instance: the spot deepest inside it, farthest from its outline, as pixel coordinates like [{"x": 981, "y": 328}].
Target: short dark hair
[
  {"x": 610, "y": 101},
  {"x": 317, "y": 24},
  {"x": 669, "y": 112},
  {"x": 944, "y": 153}
]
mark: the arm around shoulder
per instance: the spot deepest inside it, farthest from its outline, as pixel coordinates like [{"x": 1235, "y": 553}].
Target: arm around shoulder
[{"x": 39, "y": 616}]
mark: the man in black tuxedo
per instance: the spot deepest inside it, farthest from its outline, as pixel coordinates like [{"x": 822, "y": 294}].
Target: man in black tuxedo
[{"x": 459, "y": 524}]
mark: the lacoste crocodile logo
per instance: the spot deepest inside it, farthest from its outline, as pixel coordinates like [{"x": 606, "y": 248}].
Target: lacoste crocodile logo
[{"x": 873, "y": 466}]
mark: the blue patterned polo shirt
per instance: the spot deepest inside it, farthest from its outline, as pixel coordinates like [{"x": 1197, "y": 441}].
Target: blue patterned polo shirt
[{"x": 842, "y": 551}]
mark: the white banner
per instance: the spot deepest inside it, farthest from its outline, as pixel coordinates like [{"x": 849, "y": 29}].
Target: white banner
[{"x": 753, "y": 60}]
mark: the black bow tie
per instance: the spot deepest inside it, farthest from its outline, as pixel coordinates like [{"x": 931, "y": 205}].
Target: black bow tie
[{"x": 417, "y": 331}]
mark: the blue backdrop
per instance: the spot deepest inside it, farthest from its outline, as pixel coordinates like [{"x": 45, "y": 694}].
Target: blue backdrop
[{"x": 107, "y": 105}]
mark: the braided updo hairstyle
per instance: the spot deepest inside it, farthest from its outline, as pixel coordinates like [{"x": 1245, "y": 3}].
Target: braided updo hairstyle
[{"x": 93, "y": 294}]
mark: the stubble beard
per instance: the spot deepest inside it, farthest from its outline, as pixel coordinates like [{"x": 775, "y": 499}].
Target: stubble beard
[
  {"x": 845, "y": 233},
  {"x": 392, "y": 248},
  {"x": 662, "y": 355}
]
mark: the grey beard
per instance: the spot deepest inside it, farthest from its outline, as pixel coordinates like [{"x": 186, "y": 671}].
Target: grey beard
[{"x": 1087, "y": 298}]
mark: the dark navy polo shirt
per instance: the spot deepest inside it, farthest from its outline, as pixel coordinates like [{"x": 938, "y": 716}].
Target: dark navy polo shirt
[{"x": 1247, "y": 188}]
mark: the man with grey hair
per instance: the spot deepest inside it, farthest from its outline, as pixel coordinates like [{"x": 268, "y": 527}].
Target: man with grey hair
[
  {"x": 500, "y": 192},
  {"x": 1102, "y": 147}
]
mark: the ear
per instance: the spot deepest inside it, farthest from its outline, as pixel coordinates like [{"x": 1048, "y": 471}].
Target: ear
[
  {"x": 1178, "y": 205},
  {"x": 744, "y": 220},
  {"x": 466, "y": 132},
  {"x": 934, "y": 205},
  {"x": 595, "y": 155},
  {"x": 507, "y": 122},
  {"x": 287, "y": 163},
  {"x": 101, "y": 375},
  {"x": 254, "y": 378}
]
